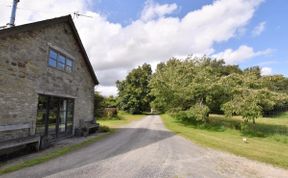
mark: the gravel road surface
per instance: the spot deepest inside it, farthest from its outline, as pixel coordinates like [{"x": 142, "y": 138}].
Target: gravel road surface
[{"x": 146, "y": 148}]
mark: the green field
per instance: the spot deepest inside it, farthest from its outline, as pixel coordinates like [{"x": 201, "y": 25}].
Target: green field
[
  {"x": 269, "y": 143},
  {"x": 122, "y": 119}
]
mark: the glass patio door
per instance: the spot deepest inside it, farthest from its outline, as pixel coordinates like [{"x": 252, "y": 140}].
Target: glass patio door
[{"x": 54, "y": 116}]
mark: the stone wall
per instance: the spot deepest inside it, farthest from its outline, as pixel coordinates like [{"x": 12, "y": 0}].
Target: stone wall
[{"x": 24, "y": 73}]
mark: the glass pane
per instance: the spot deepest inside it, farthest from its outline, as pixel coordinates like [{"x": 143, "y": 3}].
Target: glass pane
[
  {"x": 70, "y": 111},
  {"x": 62, "y": 121},
  {"x": 41, "y": 114},
  {"x": 63, "y": 116},
  {"x": 63, "y": 105},
  {"x": 61, "y": 59},
  {"x": 52, "y": 62},
  {"x": 69, "y": 128},
  {"x": 53, "y": 54},
  {"x": 69, "y": 62},
  {"x": 52, "y": 121},
  {"x": 68, "y": 69},
  {"x": 60, "y": 66}
]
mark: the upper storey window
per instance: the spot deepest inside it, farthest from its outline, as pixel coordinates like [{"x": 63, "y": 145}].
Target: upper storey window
[{"x": 60, "y": 61}]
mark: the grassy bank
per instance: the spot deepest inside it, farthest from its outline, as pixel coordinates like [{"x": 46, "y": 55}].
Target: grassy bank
[
  {"x": 122, "y": 119},
  {"x": 270, "y": 147}
]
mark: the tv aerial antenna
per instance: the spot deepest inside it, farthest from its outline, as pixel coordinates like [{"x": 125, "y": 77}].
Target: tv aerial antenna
[{"x": 77, "y": 14}]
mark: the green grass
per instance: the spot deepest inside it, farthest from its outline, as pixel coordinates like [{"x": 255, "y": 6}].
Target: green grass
[
  {"x": 122, "y": 119},
  {"x": 52, "y": 155},
  {"x": 270, "y": 147},
  {"x": 283, "y": 115}
]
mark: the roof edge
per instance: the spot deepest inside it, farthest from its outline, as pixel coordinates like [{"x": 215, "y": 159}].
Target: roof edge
[{"x": 66, "y": 18}]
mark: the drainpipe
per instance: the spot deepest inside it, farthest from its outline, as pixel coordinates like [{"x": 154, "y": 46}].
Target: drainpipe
[{"x": 13, "y": 14}]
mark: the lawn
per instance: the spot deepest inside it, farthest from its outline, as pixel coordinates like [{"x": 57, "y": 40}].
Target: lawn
[
  {"x": 269, "y": 144},
  {"x": 122, "y": 119}
]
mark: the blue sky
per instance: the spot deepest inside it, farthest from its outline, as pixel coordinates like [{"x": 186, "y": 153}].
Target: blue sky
[
  {"x": 272, "y": 12},
  {"x": 124, "y": 34},
  {"x": 124, "y": 12}
]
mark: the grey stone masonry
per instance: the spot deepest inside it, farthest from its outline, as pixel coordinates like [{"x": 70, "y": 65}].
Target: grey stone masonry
[{"x": 24, "y": 74}]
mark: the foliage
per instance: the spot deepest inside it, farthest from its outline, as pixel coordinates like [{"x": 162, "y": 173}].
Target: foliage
[
  {"x": 185, "y": 116},
  {"x": 134, "y": 92},
  {"x": 110, "y": 102},
  {"x": 183, "y": 84},
  {"x": 103, "y": 104},
  {"x": 201, "y": 112},
  {"x": 104, "y": 128},
  {"x": 98, "y": 105},
  {"x": 110, "y": 113},
  {"x": 198, "y": 86}
]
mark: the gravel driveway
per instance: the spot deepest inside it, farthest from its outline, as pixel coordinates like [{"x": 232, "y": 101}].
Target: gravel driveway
[{"x": 147, "y": 149}]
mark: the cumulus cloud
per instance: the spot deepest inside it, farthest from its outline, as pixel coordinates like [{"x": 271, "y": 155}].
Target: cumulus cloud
[
  {"x": 156, "y": 36},
  {"x": 241, "y": 54},
  {"x": 266, "y": 71},
  {"x": 154, "y": 10},
  {"x": 107, "y": 90},
  {"x": 259, "y": 29}
]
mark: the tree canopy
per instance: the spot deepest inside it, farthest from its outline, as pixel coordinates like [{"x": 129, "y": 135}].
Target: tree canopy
[
  {"x": 198, "y": 86},
  {"x": 209, "y": 85},
  {"x": 134, "y": 92}
]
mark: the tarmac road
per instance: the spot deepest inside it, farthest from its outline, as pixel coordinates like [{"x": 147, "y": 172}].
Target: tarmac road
[{"x": 146, "y": 148}]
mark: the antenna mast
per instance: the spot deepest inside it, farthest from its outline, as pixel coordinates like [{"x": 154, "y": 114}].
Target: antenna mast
[
  {"x": 13, "y": 14},
  {"x": 77, "y": 14}
]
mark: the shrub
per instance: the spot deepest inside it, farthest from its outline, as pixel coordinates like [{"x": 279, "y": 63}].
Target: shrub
[
  {"x": 110, "y": 112},
  {"x": 185, "y": 116},
  {"x": 104, "y": 128},
  {"x": 201, "y": 112}
]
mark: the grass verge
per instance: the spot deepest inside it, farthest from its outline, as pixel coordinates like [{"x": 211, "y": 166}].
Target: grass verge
[
  {"x": 122, "y": 119},
  {"x": 266, "y": 149},
  {"x": 53, "y": 154}
]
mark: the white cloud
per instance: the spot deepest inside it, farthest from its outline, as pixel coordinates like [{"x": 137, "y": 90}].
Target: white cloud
[
  {"x": 266, "y": 71},
  {"x": 241, "y": 54},
  {"x": 259, "y": 29},
  {"x": 155, "y": 36},
  {"x": 154, "y": 10},
  {"x": 107, "y": 90}
]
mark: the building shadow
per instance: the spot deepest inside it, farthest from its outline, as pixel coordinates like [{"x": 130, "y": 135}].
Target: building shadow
[{"x": 125, "y": 140}]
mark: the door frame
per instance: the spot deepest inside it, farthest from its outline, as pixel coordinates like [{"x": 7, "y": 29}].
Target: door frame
[{"x": 58, "y": 134}]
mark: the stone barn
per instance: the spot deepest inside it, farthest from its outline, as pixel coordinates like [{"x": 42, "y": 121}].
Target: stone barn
[{"x": 46, "y": 82}]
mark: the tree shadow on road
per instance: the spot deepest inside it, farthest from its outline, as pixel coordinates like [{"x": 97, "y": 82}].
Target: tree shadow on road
[{"x": 125, "y": 140}]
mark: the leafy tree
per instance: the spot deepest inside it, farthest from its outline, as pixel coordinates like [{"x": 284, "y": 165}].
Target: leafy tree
[
  {"x": 204, "y": 85},
  {"x": 134, "y": 92},
  {"x": 182, "y": 84},
  {"x": 110, "y": 102},
  {"x": 249, "y": 98},
  {"x": 98, "y": 105}
]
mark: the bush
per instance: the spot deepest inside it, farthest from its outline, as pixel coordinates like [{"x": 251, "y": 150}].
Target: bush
[
  {"x": 201, "y": 112},
  {"x": 185, "y": 116},
  {"x": 104, "y": 128},
  {"x": 110, "y": 112}
]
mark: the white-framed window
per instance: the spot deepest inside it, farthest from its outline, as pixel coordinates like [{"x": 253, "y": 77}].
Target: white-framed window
[{"x": 60, "y": 61}]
